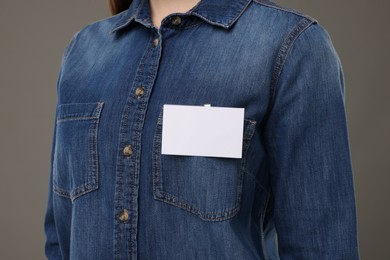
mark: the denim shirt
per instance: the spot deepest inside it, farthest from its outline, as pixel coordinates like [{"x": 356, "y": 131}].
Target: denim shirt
[{"x": 114, "y": 195}]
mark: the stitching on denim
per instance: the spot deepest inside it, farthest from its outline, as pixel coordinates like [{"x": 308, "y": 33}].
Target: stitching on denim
[
  {"x": 93, "y": 177},
  {"x": 124, "y": 132},
  {"x": 220, "y": 23},
  {"x": 75, "y": 193},
  {"x": 239, "y": 189},
  {"x": 74, "y": 118},
  {"x": 211, "y": 22},
  {"x": 91, "y": 184},
  {"x": 142, "y": 105},
  {"x": 120, "y": 170},
  {"x": 119, "y": 23},
  {"x": 123, "y": 25},
  {"x": 60, "y": 191},
  {"x": 240, "y": 13},
  {"x": 62, "y": 116},
  {"x": 282, "y": 56},
  {"x": 210, "y": 216},
  {"x": 134, "y": 177},
  {"x": 119, "y": 26},
  {"x": 154, "y": 65},
  {"x": 84, "y": 190},
  {"x": 249, "y": 136},
  {"x": 119, "y": 182},
  {"x": 160, "y": 194},
  {"x": 132, "y": 250},
  {"x": 251, "y": 129},
  {"x": 249, "y": 132},
  {"x": 156, "y": 158}
]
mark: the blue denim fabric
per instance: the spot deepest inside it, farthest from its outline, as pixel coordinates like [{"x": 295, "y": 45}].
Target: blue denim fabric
[{"x": 291, "y": 195}]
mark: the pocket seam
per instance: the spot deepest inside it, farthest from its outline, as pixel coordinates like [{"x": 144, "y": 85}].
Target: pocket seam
[
  {"x": 95, "y": 114},
  {"x": 93, "y": 159},
  {"x": 161, "y": 195},
  {"x": 71, "y": 118}
]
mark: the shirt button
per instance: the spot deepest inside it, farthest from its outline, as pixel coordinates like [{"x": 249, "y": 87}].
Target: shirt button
[
  {"x": 127, "y": 151},
  {"x": 124, "y": 216},
  {"x": 155, "y": 42},
  {"x": 176, "y": 20},
  {"x": 139, "y": 91}
]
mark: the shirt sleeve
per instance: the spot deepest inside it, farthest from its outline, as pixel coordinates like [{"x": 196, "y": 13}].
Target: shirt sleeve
[
  {"x": 52, "y": 248},
  {"x": 306, "y": 138}
]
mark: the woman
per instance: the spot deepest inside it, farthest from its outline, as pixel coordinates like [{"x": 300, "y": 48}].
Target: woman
[{"x": 250, "y": 159}]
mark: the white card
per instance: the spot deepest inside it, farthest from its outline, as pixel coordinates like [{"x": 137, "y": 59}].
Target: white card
[{"x": 202, "y": 131}]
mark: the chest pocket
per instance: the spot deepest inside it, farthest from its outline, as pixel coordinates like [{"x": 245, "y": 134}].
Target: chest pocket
[
  {"x": 76, "y": 157},
  {"x": 209, "y": 187}
]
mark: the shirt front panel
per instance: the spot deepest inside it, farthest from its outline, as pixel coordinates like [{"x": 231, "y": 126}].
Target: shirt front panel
[
  {"x": 202, "y": 198},
  {"x": 123, "y": 199}
]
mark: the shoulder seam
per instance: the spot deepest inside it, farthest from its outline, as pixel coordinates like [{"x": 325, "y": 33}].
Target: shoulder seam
[
  {"x": 284, "y": 50},
  {"x": 282, "y": 55}
]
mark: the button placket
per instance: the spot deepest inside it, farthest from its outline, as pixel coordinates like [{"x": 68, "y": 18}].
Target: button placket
[{"x": 128, "y": 175}]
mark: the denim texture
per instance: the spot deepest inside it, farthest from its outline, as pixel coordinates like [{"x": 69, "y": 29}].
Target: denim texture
[{"x": 290, "y": 196}]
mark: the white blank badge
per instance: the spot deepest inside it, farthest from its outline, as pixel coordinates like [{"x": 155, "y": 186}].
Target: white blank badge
[{"x": 202, "y": 131}]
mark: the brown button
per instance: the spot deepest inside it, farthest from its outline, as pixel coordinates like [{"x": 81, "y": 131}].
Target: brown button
[
  {"x": 139, "y": 91},
  {"x": 124, "y": 216},
  {"x": 176, "y": 20},
  {"x": 127, "y": 151},
  {"x": 155, "y": 42}
]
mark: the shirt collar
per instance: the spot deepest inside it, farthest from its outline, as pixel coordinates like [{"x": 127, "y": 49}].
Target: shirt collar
[{"x": 221, "y": 13}]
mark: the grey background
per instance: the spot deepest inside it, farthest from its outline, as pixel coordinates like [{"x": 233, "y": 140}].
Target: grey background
[{"x": 33, "y": 35}]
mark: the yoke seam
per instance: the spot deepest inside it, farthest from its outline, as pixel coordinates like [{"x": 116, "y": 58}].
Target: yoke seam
[{"x": 281, "y": 59}]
